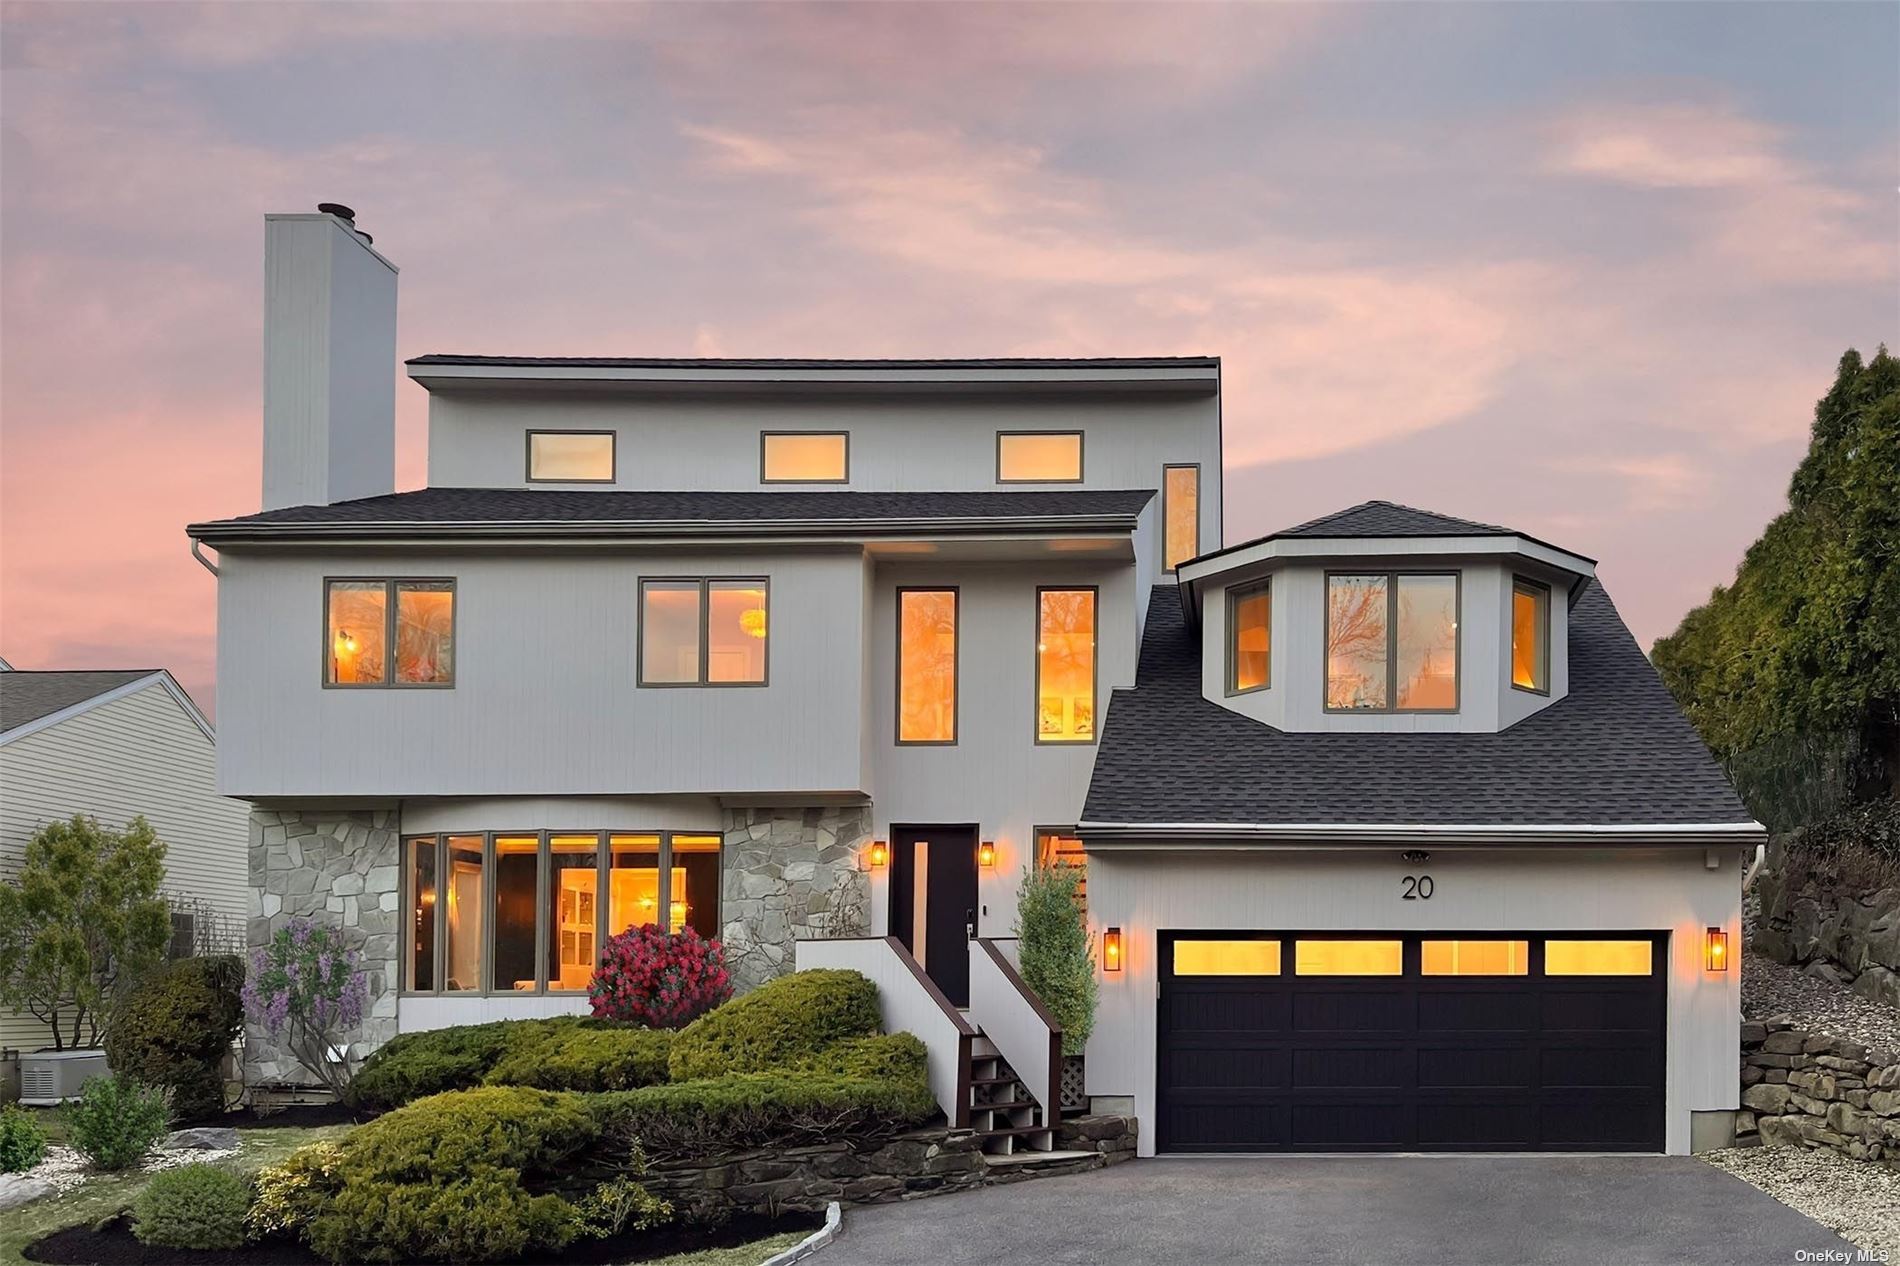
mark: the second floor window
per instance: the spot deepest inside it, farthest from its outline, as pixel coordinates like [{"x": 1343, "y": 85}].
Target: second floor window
[
  {"x": 804, "y": 457},
  {"x": 1065, "y": 666},
  {"x": 1038, "y": 457},
  {"x": 389, "y": 632},
  {"x": 926, "y": 665},
  {"x": 703, "y": 632},
  {"x": 1180, "y": 515},
  {"x": 1392, "y": 643},
  {"x": 1249, "y": 637},
  {"x": 571, "y": 457},
  {"x": 1530, "y": 636}
]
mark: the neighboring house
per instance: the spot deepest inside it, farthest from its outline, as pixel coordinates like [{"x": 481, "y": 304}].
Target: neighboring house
[
  {"x": 1393, "y": 839},
  {"x": 112, "y": 745}
]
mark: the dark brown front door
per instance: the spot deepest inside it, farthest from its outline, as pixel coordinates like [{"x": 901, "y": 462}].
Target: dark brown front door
[{"x": 933, "y": 901}]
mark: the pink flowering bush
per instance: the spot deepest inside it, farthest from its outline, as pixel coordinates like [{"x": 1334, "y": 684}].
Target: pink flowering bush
[
  {"x": 661, "y": 979},
  {"x": 305, "y": 989}
]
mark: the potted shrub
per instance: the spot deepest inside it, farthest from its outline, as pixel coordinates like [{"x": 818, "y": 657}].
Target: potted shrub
[{"x": 1058, "y": 962}]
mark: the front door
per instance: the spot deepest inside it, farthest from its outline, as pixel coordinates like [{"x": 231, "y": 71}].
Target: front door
[{"x": 933, "y": 902}]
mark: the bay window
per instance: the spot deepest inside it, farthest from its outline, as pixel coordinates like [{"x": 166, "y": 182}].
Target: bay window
[
  {"x": 381, "y": 632},
  {"x": 1392, "y": 642},
  {"x": 1530, "y": 636},
  {"x": 1249, "y": 637}
]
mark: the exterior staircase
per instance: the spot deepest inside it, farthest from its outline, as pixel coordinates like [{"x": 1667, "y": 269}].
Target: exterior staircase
[{"x": 1004, "y": 1115}]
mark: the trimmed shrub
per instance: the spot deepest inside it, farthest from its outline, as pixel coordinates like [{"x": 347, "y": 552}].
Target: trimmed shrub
[
  {"x": 1058, "y": 961},
  {"x": 412, "y": 1065},
  {"x": 290, "y": 1193},
  {"x": 561, "y": 1053},
  {"x": 194, "y": 1206},
  {"x": 661, "y": 979},
  {"x": 483, "y": 1216},
  {"x": 116, "y": 1120},
  {"x": 777, "y": 1026},
  {"x": 175, "y": 1029},
  {"x": 22, "y": 1141},
  {"x": 887, "y": 1057},
  {"x": 758, "y": 1110}
]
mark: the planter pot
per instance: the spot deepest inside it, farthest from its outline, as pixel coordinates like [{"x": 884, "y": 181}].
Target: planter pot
[{"x": 1074, "y": 1089}]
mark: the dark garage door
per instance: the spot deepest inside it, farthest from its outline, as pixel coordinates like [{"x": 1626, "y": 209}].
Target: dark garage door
[{"x": 1376, "y": 1042}]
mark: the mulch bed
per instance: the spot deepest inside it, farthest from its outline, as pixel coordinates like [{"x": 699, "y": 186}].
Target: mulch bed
[
  {"x": 114, "y": 1245},
  {"x": 302, "y": 1115}
]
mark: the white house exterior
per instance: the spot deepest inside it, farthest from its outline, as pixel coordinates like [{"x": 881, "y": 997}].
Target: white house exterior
[
  {"x": 742, "y": 645},
  {"x": 112, "y": 745}
]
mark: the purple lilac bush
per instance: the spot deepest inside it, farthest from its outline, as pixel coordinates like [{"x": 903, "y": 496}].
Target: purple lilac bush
[{"x": 308, "y": 991}]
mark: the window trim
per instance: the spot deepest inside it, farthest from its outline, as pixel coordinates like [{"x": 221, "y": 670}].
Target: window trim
[
  {"x": 1095, "y": 666},
  {"x": 613, "y": 455},
  {"x": 1166, "y": 467},
  {"x": 1081, "y": 455},
  {"x": 1543, "y": 591},
  {"x": 705, "y": 633},
  {"x": 844, "y": 435},
  {"x": 390, "y": 603},
  {"x": 1235, "y": 593},
  {"x": 956, "y": 666},
  {"x": 1392, "y": 707}
]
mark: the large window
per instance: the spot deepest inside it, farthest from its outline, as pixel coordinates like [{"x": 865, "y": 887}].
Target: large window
[
  {"x": 522, "y": 911},
  {"x": 926, "y": 665},
  {"x": 1392, "y": 643},
  {"x": 804, "y": 457},
  {"x": 1180, "y": 515},
  {"x": 1249, "y": 637},
  {"x": 389, "y": 632},
  {"x": 1065, "y": 665},
  {"x": 1530, "y": 636},
  {"x": 571, "y": 457},
  {"x": 703, "y": 632},
  {"x": 1038, "y": 457}
]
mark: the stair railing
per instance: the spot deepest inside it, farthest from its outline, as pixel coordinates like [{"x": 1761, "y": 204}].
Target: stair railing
[{"x": 1016, "y": 1021}]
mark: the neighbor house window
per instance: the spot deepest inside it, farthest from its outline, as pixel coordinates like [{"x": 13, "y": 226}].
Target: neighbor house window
[
  {"x": 1392, "y": 643},
  {"x": 571, "y": 457},
  {"x": 389, "y": 632},
  {"x": 1180, "y": 515},
  {"x": 1060, "y": 846},
  {"x": 1065, "y": 665},
  {"x": 703, "y": 632},
  {"x": 926, "y": 665},
  {"x": 1530, "y": 636},
  {"x": 804, "y": 457},
  {"x": 1038, "y": 457},
  {"x": 1249, "y": 637}
]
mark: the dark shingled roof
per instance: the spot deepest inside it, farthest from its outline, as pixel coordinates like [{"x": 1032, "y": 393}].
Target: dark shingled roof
[
  {"x": 556, "y": 506},
  {"x": 1388, "y": 518},
  {"x": 670, "y": 362},
  {"x": 1614, "y": 751},
  {"x": 28, "y": 696}
]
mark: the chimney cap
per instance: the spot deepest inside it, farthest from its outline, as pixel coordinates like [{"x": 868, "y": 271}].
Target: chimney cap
[{"x": 338, "y": 210}]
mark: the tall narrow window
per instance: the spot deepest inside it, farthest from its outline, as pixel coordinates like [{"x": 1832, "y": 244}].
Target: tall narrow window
[
  {"x": 633, "y": 880},
  {"x": 571, "y": 457},
  {"x": 1530, "y": 636},
  {"x": 1038, "y": 457},
  {"x": 1356, "y": 643},
  {"x": 1427, "y": 643},
  {"x": 517, "y": 861},
  {"x": 926, "y": 665},
  {"x": 1065, "y": 666},
  {"x": 573, "y": 873},
  {"x": 1392, "y": 643},
  {"x": 423, "y": 903},
  {"x": 703, "y": 632},
  {"x": 804, "y": 457},
  {"x": 1180, "y": 515},
  {"x": 1249, "y": 637},
  {"x": 694, "y": 884},
  {"x": 462, "y": 939},
  {"x": 365, "y": 619},
  {"x": 1061, "y": 847}
]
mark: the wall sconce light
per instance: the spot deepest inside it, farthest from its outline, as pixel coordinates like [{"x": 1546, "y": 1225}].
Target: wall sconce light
[
  {"x": 1112, "y": 950},
  {"x": 986, "y": 854},
  {"x": 880, "y": 855},
  {"x": 1715, "y": 950}
]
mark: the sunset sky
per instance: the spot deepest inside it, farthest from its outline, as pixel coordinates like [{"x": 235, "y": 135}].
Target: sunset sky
[{"x": 1581, "y": 269}]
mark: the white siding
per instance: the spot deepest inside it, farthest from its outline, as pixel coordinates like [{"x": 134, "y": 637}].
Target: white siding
[
  {"x": 1673, "y": 891},
  {"x": 138, "y": 754}
]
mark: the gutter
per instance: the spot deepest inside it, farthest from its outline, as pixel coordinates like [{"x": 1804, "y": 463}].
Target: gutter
[
  {"x": 1172, "y": 836},
  {"x": 610, "y": 529}
]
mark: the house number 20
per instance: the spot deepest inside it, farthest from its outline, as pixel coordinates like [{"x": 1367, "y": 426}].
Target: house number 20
[{"x": 1416, "y": 888}]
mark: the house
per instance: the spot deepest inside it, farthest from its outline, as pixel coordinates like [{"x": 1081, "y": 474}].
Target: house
[
  {"x": 114, "y": 744},
  {"x": 1393, "y": 840}
]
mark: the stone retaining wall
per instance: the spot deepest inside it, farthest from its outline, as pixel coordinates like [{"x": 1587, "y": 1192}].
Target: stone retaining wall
[
  {"x": 1851, "y": 938},
  {"x": 1803, "y": 1089}
]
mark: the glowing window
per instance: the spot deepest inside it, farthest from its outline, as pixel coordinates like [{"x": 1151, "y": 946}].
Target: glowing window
[
  {"x": 1475, "y": 958},
  {"x": 926, "y": 665},
  {"x": 633, "y": 881},
  {"x": 1392, "y": 643},
  {"x": 462, "y": 929},
  {"x": 1227, "y": 958},
  {"x": 1348, "y": 958},
  {"x": 573, "y": 887},
  {"x": 806, "y": 457},
  {"x": 363, "y": 619},
  {"x": 1530, "y": 636},
  {"x": 1041, "y": 457},
  {"x": 1249, "y": 633},
  {"x": 1062, "y": 848},
  {"x": 358, "y": 619},
  {"x": 1356, "y": 643},
  {"x": 517, "y": 863},
  {"x": 571, "y": 457},
  {"x": 1065, "y": 666},
  {"x": 423, "y": 898},
  {"x": 694, "y": 884},
  {"x": 1180, "y": 515},
  {"x": 1597, "y": 958},
  {"x": 703, "y": 632}
]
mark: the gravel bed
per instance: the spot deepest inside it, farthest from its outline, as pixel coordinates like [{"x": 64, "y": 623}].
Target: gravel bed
[
  {"x": 1772, "y": 989},
  {"x": 67, "y": 1169},
  {"x": 1859, "y": 1199}
]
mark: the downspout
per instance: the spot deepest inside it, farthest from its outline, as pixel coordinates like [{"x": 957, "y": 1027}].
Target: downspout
[{"x": 197, "y": 552}]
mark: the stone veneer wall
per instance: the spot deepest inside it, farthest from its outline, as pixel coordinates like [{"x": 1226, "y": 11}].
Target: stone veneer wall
[
  {"x": 1803, "y": 1089},
  {"x": 783, "y": 869},
  {"x": 336, "y": 867},
  {"x": 1849, "y": 937}
]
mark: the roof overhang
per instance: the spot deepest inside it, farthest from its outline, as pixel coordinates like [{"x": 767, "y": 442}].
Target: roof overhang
[
  {"x": 1175, "y": 836},
  {"x": 1188, "y": 375}
]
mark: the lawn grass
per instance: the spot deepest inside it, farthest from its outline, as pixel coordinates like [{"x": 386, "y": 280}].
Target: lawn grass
[
  {"x": 750, "y": 1254},
  {"x": 106, "y": 1194}
]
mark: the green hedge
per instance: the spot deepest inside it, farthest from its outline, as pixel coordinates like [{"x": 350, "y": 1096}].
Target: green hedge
[
  {"x": 197, "y": 1206},
  {"x": 175, "y": 1029},
  {"x": 562, "y": 1053},
  {"x": 759, "y": 1110},
  {"x": 781, "y": 1024},
  {"x": 886, "y": 1057}
]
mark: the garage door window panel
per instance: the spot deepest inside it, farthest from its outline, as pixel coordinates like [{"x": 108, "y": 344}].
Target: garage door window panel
[
  {"x": 1348, "y": 958},
  {"x": 1598, "y": 958}
]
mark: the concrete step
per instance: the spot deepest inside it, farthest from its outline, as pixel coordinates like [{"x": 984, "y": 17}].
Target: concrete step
[{"x": 1037, "y": 1158}]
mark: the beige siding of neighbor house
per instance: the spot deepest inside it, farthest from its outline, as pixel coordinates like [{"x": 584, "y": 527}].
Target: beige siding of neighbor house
[{"x": 142, "y": 753}]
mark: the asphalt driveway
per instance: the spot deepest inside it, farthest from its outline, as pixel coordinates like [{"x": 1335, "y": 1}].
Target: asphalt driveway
[{"x": 1435, "y": 1211}]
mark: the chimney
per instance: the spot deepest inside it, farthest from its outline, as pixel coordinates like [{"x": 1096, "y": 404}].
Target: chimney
[{"x": 329, "y": 361}]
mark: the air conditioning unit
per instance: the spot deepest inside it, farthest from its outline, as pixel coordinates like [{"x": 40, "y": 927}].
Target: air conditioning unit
[{"x": 48, "y": 1078}]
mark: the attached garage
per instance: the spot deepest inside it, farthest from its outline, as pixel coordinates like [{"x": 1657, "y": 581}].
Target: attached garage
[{"x": 1289, "y": 1041}]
